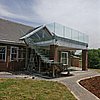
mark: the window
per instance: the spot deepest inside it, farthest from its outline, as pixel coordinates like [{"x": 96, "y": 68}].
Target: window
[
  {"x": 2, "y": 53},
  {"x": 21, "y": 53},
  {"x": 14, "y": 53},
  {"x": 64, "y": 57}
]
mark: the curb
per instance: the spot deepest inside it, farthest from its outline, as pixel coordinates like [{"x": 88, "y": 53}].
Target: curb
[{"x": 85, "y": 88}]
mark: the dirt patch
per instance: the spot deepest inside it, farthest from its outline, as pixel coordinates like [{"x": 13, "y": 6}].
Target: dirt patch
[{"x": 92, "y": 84}]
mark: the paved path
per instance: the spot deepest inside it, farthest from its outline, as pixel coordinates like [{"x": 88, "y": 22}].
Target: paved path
[
  {"x": 77, "y": 90},
  {"x": 10, "y": 75}
]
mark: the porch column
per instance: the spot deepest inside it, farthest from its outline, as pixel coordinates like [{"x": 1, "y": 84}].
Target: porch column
[
  {"x": 54, "y": 52},
  {"x": 53, "y": 56},
  {"x": 84, "y": 60}
]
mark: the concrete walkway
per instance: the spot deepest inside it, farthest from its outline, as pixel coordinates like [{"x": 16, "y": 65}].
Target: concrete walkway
[{"x": 72, "y": 83}]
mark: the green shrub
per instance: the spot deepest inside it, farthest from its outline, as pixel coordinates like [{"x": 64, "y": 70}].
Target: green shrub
[{"x": 94, "y": 58}]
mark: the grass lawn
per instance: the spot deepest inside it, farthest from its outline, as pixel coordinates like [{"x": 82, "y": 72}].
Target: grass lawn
[
  {"x": 97, "y": 70},
  {"x": 27, "y": 89}
]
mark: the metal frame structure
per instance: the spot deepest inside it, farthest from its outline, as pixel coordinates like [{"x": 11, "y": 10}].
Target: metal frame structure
[{"x": 45, "y": 36}]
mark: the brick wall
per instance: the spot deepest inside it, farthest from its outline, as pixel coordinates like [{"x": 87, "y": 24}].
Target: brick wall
[
  {"x": 75, "y": 62},
  {"x": 11, "y": 65}
]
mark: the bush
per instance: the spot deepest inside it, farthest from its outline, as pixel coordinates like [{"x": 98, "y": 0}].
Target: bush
[{"x": 94, "y": 58}]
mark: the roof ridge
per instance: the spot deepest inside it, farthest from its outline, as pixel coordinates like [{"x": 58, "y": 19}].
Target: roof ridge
[{"x": 7, "y": 20}]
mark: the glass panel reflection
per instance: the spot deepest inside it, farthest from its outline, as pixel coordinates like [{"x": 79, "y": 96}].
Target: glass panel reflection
[{"x": 65, "y": 32}]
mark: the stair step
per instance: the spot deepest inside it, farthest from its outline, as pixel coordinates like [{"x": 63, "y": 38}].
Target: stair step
[{"x": 40, "y": 53}]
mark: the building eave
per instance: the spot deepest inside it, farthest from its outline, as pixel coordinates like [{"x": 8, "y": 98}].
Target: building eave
[
  {"x": 34, "y": 31},
  {"x": 8, "y": 42}
]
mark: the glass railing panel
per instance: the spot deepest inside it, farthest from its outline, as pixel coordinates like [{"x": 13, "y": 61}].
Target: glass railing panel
[
  {"x": 51, "y": 27},
  {"x": 59, "y": 30},
  {"x": 68, "y": 33},
  {"x": 81, "y": 37},
  {"x": 65, "y": 32},
  {"x": 75, "y": 35},
  {"x": 85, "y": 38}
]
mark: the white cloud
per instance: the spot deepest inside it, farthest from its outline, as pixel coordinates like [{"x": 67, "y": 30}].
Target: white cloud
[
  {"x": 50, "y": 10},
  {"x": 6, "y": 13},
  {"x": 3, "y": 11},
  {"x": 83, "y": 15}
]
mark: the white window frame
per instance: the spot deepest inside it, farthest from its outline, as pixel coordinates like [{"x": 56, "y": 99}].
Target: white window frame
[
  {"x": 5, "y": 52},
  {"x": 18, "y": 53},
  {"x": 64, "y": 58},
  {"x": 13, "y": 53}
]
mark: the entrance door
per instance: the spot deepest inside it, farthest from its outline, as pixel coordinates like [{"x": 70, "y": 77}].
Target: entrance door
[{"x": 64, "y": 58}]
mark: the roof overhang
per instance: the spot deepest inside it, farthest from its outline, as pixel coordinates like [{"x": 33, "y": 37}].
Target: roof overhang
[
  {"x": 71, "y": 44},
  {"x": 12, "y": 43},
  {"x": 34, "y": 31}
]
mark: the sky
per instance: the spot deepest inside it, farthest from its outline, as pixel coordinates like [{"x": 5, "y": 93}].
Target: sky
[{"x": 82, "y": 15}]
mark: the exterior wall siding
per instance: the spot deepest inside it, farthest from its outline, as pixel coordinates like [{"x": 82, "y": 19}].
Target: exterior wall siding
[
  {"x": 9, "y": 65},
  {"x": 3, "y": 66}
]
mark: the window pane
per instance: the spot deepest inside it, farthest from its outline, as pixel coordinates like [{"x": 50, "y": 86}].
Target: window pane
[
  {"x": 3, "y": 56},
  {"x": 64, "y": 57},
  {"x": 13, "y": 53},
  {"x": 21, "y": 53},
  {"x": 2, "y": 49},
  {"x": 64, "y": 61},
  {"x": 2, "y": 53},
  {"x": 13, "y": 56},
  {"x": 14, "y": 50},
  {"x": 0, "y": 56}
]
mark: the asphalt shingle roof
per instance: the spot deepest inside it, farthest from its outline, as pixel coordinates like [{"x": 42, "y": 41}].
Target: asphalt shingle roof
[{"x": 12, "y": 31}]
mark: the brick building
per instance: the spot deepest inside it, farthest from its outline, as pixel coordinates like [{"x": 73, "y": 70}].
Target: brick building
[
  {"x": 12, "y": 50},
  {"x": 46, "y": 45}
]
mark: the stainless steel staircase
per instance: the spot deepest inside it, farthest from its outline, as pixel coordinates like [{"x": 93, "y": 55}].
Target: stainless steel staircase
[{"x": 37, "y": 57}]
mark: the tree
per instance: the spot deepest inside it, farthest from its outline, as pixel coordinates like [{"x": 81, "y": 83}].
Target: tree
[{"x": 94, "y": 58}]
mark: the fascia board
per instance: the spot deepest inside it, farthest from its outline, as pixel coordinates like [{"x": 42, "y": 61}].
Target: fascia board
[{"x": 31, "y": 33}]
